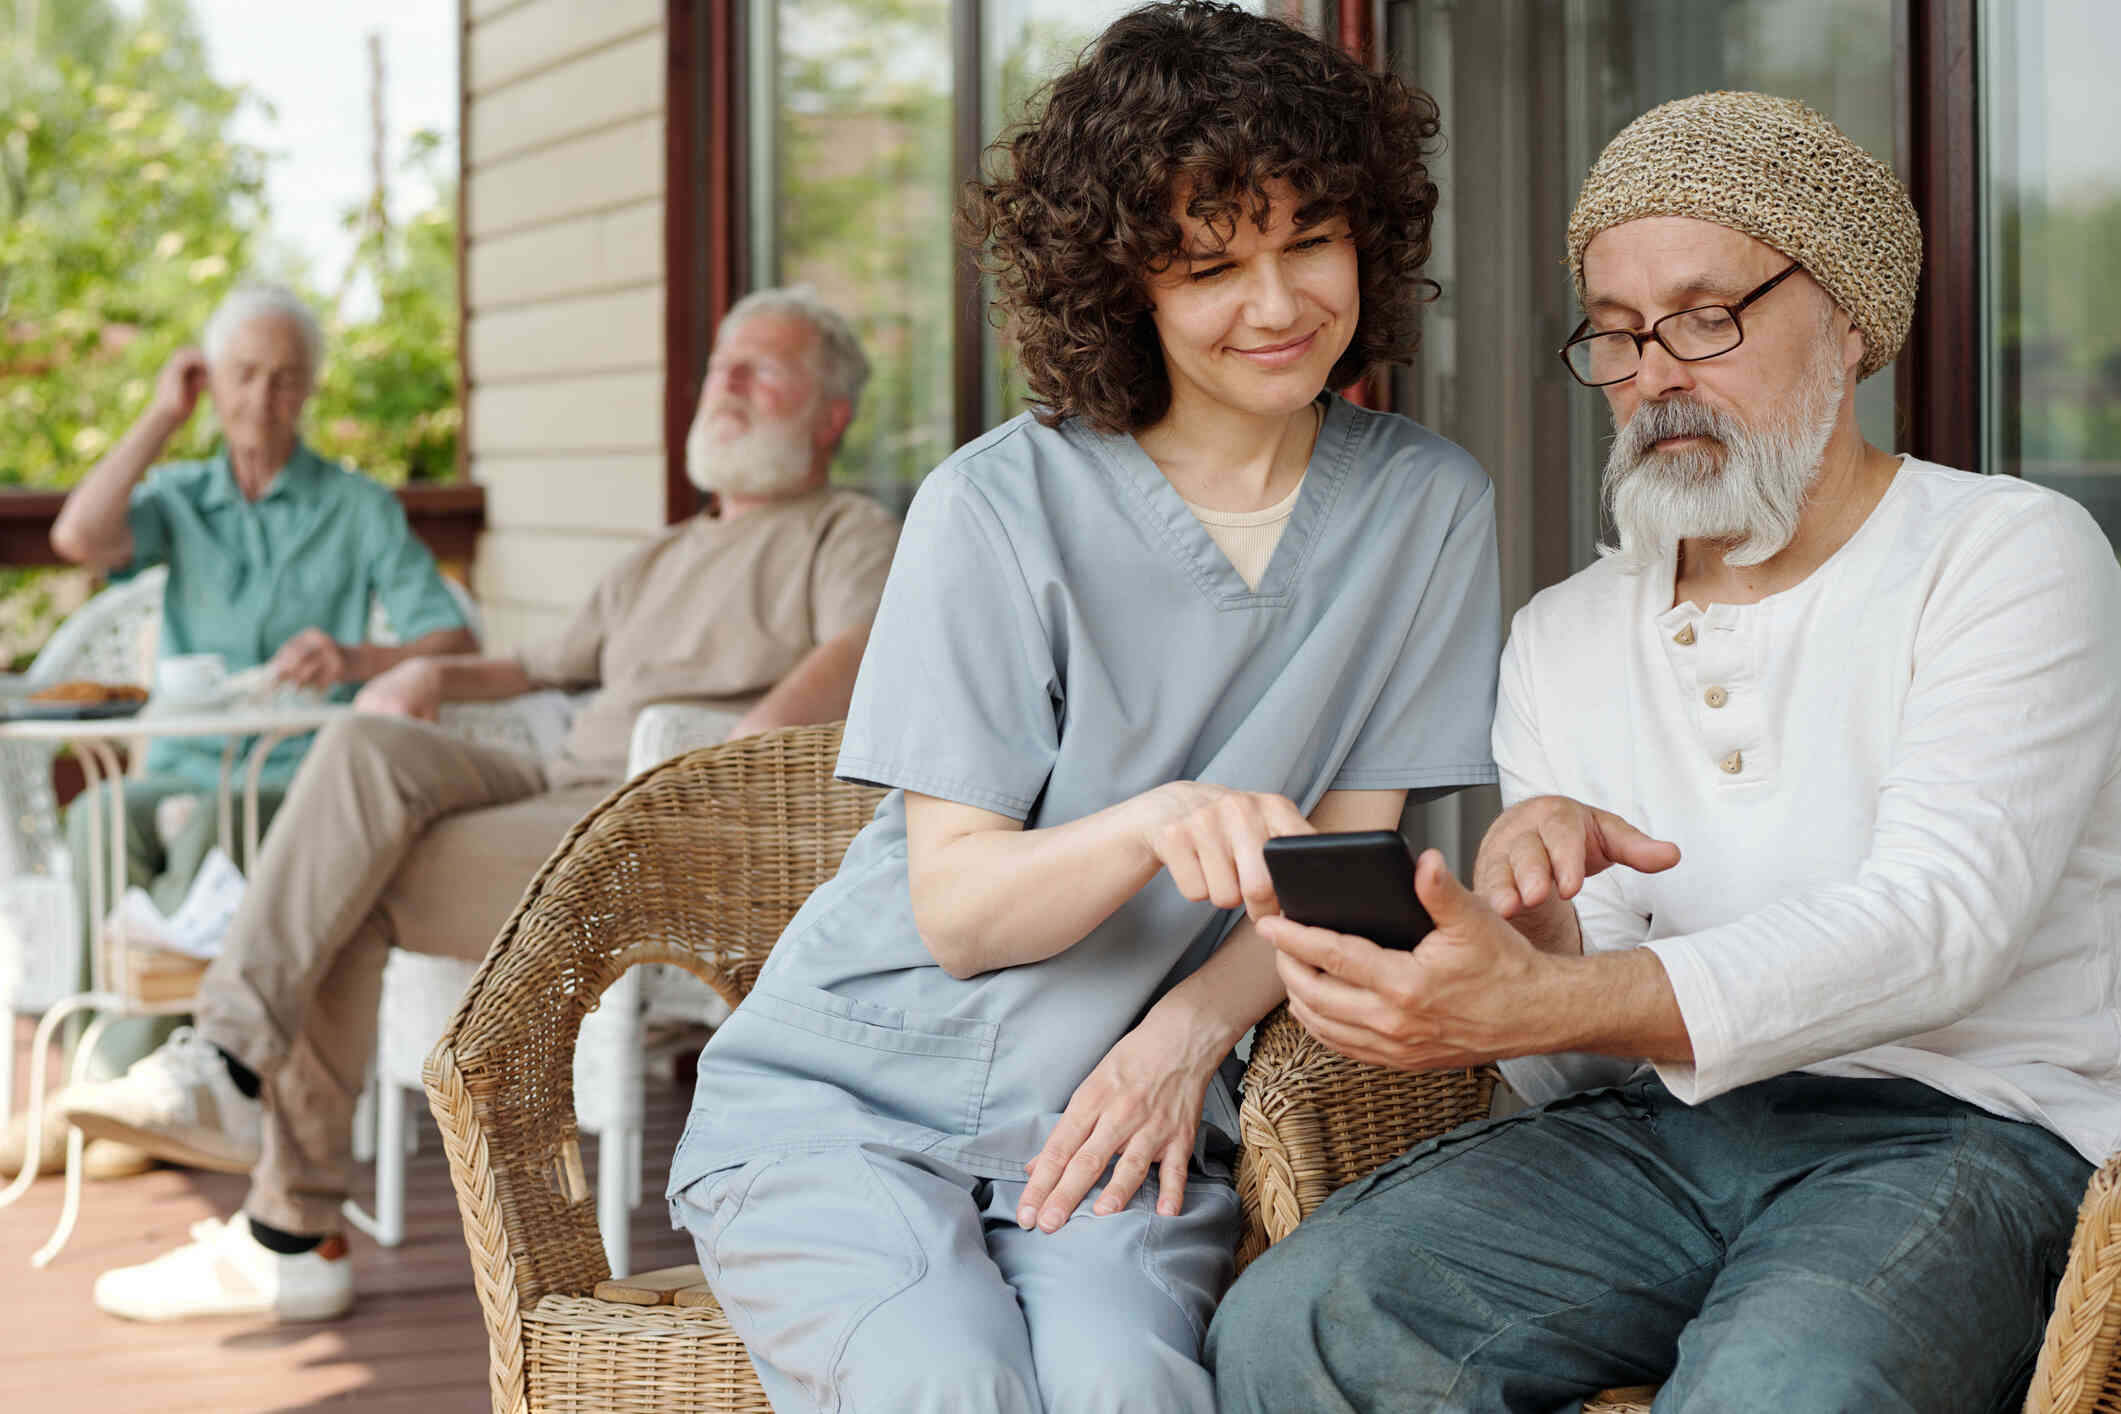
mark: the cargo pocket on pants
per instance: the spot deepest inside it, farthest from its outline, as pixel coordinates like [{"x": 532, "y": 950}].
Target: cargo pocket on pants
[{"x": 805, "y": 1247}]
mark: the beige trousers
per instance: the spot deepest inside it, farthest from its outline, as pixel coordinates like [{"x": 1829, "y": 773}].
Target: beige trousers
[{"x": 395, "y": 834}]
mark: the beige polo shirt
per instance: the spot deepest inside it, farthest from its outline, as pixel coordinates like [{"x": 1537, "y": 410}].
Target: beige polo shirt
[{"x": 713, "y": 612}]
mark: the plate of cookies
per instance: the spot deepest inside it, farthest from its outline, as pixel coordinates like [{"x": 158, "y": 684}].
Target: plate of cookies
[{"x": 75, "y": 700}]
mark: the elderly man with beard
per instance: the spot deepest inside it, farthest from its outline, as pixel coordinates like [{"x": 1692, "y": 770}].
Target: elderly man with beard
[
  {"x": 396, "y": 833},
  {"x": 1799, "y": 930}
]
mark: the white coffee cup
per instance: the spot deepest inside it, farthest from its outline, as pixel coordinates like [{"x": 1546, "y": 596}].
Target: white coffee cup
[{"x": 190, "y": 677}]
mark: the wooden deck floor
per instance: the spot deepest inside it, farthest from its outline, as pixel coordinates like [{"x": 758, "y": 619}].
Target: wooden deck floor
[{"x": 413, "y": 1342}]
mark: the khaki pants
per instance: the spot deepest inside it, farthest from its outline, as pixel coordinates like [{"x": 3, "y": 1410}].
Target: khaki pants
[{"x": 394, "y": 834}]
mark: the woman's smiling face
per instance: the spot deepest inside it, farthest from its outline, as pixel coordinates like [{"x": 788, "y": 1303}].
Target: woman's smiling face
[{"x": 1256, "y": 323}]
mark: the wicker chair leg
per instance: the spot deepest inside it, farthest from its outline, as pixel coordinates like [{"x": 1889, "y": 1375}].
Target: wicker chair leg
[{"x": 492, "y": 1265}]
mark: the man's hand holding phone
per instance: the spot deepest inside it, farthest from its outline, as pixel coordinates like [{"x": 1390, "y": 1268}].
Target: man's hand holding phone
[
  {"x": 1458, "y": 999},
  {"x": 1503, "y": 973}
]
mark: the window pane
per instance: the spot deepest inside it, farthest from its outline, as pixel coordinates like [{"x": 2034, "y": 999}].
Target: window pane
[
  {"x": 852, "y": 171},
  {"x": 2052, "y": 247}
]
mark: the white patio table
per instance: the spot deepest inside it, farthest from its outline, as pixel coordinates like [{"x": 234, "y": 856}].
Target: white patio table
[{"x": 114, "y": 986}]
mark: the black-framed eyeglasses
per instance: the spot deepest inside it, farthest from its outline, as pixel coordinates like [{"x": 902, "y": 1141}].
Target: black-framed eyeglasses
[{"x": 1598, "y": 359}]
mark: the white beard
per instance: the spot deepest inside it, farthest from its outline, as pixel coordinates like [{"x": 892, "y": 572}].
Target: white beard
[
  {"x": 1746, "y": 491},
  {"x": 770, "y": 459}
]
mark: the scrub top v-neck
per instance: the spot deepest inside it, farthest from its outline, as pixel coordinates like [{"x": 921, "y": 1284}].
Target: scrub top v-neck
[
  {"x": 1059, "y": 634},
  {"x": 1189, "y": 541}
]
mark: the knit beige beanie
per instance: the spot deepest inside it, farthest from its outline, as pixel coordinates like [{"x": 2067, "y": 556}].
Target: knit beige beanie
[{"x": 1783, "y": 174}]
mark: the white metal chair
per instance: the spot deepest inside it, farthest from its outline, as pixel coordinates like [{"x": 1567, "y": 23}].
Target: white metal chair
[
  {"x": 420, "y": 992},
  {"x": 112, "y": 639},
  {"x": 40, "y": 934}
]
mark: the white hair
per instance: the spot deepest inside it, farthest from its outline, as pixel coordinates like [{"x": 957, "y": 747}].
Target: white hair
[
  {"x": 254, "y": 300},
  {"x": 842, "y": 367},
  {"x": 1746, "y": 492}
]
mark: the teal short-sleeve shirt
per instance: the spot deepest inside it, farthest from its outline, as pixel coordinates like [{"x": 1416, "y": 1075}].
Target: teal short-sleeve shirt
[{"x": 245, "y": 576}]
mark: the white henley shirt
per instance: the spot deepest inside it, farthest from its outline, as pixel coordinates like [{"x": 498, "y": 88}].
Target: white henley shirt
[{"x": 1896, "y": 789}]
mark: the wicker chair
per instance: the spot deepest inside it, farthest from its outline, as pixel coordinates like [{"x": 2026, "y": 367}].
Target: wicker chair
[{"x": 700, "y": 863}]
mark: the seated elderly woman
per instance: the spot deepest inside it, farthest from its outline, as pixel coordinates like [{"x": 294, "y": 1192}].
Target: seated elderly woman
[{"x": 274, "y": 555}]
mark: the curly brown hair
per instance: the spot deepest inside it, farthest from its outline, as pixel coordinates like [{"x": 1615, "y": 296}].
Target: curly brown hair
[{"x": 1076, "y": 213}]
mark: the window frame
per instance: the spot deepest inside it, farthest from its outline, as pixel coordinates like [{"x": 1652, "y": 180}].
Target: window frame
[
  {"x": 707, "y": 221},
  {"x": 1938, "y": 408},
  {"x": 1937, "y": 130}
]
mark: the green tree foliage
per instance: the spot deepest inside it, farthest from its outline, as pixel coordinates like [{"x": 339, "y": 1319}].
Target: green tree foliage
[
  {"x": 387, "y": 402},
  {"x": 126, "y": 210}
]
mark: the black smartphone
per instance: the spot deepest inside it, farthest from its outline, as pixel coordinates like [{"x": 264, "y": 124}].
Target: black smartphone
[{"x": 1360, "y": 882}]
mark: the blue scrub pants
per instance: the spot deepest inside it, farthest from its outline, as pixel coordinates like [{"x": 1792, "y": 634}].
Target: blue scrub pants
[
  {"x": 1806, "y": 1243},
  {"x": 874, "y": 1281}
]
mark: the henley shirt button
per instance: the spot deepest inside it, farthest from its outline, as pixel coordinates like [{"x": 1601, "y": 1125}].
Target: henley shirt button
[
  {"x": 1715, "y": 697},
  {"x": 1734, "y": 763},
  {"x": 1685, "y": 637}
]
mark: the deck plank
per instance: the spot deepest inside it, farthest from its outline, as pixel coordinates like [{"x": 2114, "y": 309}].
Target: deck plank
[{"x": 413, "y": 1342}]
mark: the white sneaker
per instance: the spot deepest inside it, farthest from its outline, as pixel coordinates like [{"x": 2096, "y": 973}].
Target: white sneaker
[
  {"x": 179, "y": 1104},
  {"x": 223, "y": 1271}
]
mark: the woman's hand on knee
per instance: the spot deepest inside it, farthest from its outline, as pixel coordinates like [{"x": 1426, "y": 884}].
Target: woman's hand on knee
[
  {"x": 1211, "y": 840},
  {"x": 1136, "y": 1112}
]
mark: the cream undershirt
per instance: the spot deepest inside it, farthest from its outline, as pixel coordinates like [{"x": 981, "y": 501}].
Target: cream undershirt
[{"x": 1248, "y": 538}]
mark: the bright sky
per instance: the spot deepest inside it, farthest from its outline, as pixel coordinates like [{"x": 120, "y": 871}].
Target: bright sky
[{"x": 310, "y": 62}]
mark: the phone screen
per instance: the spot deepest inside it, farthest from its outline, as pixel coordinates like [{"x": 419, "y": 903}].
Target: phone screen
[{"x": 1359, "y": 882}]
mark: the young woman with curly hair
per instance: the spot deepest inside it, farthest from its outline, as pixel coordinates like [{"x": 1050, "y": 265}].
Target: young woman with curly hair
[{"x": 967, "y": 1143}]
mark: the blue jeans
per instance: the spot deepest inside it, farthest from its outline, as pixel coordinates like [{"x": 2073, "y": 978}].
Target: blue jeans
[{"x": 1806, "y": 1243}]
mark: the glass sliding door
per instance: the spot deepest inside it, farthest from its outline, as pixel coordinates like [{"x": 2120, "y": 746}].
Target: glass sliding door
[
  {"x": 2051, "y": 242},
  {"x": 1531, "y": 91},
  {"x": 849, "y": 117},
  {"x": 852, "y": 107},
  {"x": 1026, "y": 43}
]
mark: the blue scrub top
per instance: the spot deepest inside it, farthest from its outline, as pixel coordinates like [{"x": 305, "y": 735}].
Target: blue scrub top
[
  {"x": 1059, "y": 633},
  {"x": 244, "y": 577}
]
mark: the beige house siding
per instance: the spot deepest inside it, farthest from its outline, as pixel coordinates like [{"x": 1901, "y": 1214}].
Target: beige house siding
[{"x": 563, "y": 274}]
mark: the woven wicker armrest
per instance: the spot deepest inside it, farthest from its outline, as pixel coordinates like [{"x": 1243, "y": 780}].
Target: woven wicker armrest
[
  {"x": 2077, "y": 1372},
  {"x": 700, "y": 862},
  {"x": 1312, "y": 1120}
]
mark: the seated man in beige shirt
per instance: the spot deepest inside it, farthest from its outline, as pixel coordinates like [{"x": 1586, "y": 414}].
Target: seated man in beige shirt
[{"x": 396, "y": 833}]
